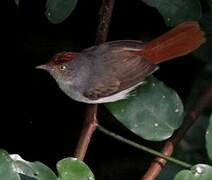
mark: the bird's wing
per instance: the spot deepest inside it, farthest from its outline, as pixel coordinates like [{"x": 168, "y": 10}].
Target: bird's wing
[
  {"x": 118, "y": 70},
  {"x": 102, "y": 89}
]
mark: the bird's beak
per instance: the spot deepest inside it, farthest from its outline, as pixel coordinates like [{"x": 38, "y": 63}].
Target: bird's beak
[{"x": 44, "y": 67}]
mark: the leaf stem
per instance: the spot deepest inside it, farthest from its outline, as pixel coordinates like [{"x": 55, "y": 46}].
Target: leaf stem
[{"x": 143, "y": 148}]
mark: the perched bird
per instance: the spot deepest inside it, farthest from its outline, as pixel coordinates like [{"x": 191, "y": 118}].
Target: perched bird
[{"x": 110, "y": 71}]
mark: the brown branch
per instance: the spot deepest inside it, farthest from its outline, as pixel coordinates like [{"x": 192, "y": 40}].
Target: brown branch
[
  {"x": 194, "y": 112},
  {"x": 89, "y": 127},
  {"x": 90, "y": 122},
  {"x": 105, "y": 19}
]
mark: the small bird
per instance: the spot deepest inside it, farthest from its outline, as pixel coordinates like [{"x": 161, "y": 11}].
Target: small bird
[{"x": 110, "y": 71}]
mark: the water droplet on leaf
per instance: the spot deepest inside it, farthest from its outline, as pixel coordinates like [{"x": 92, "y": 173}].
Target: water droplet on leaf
[
  {"x": 74, "y": 159},
  {"x": 135, "y": 125},
  {"x": 198, "y": 171}
]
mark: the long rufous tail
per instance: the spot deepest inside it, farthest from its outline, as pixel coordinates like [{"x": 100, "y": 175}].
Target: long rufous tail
[{"x": 181, "y": 40}]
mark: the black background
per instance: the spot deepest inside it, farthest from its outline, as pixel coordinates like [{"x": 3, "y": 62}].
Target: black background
[{"x": 42, "y": 123}]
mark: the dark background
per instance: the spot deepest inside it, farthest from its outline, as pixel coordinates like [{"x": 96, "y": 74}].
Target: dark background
[{"x": 42, "y": 123}]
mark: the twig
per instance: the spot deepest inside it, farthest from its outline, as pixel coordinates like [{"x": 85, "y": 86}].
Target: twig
[
  {"x": 143, "y": 148},
  {"x": 104, "y": 22},
  {"x": 90, "y": 122},
  {"x": 89, "y": 127},
  {"x": 194, "y": 112}
]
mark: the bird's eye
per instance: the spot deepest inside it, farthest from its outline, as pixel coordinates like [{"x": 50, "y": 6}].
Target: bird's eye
[{"x": 62, "y": 67}]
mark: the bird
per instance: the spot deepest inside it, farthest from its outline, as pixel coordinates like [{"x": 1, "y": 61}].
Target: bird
[{"x": 110, "y": 71}]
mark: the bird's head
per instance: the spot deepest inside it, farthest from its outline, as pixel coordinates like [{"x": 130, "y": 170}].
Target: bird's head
[{"x": 59, "y": 66}]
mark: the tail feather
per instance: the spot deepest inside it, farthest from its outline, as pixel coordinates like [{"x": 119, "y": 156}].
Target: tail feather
[{"x": 181, "y": 40}]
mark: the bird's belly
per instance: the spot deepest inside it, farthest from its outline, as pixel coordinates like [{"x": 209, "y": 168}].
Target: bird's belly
[
  {"x": 115, "y": 97},
  {"x": 75, "y": 94}
]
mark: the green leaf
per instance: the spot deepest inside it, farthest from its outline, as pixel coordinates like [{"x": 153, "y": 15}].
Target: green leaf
[
  {"x": 197, "y": 172},
  {"x": 36, "y": 170},
  {"x": 6, "y": 167},
  {"x": 58, "y": 10},
  {"x": 12, "y": 166},
  {"x": 153, "y": 113},
  {"x": 209, "y": 139},
  {"x": 73, "y": 169},
  {"x": 177, "y": 11}
]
